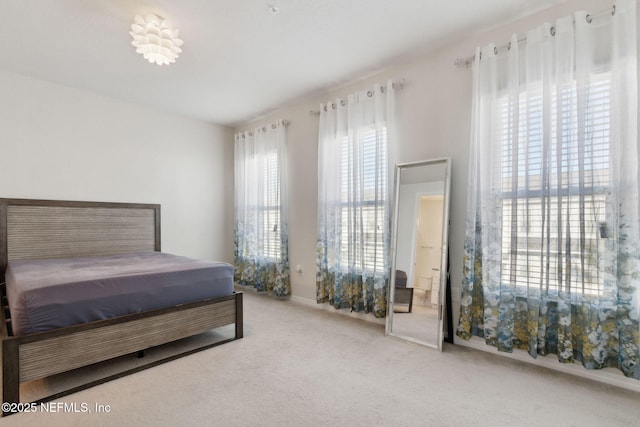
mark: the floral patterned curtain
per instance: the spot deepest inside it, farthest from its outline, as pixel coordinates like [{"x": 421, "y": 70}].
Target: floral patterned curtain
[
  {"x": 261, "y": 237},
  {"x": 352, "y": 257},
  {"x": 552, "y": 257}
]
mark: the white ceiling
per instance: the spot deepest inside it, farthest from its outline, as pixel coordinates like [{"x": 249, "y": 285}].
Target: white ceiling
[{"x": 239, "y": 60}]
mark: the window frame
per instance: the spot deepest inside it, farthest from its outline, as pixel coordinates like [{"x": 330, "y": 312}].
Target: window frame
[
  {"x": 373, "y": 238},
  {"x": 270, "y": 247},
  {"x": 550, "y": 279}
]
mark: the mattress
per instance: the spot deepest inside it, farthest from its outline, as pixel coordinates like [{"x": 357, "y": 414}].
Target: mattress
[{"x": 49, "y": 294}]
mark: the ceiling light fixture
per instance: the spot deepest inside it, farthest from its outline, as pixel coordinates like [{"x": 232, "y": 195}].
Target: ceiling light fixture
[{"x": 154, "y": 38}]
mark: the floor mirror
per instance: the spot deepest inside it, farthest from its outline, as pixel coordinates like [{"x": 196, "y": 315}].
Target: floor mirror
[{"x": 419, "y": 247}]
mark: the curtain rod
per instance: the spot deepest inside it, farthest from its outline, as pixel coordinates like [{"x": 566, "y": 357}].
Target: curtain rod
[
  {"x": 399, "y": 85},
  {"x": 264, "y": 128},
  {"x": 466, "y": 62}
]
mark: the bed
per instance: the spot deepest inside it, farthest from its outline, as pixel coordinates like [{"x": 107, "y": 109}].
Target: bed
[{"x": 57, "y": 237}]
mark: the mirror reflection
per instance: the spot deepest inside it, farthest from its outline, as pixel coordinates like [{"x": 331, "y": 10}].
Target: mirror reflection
[{"x": 419, "y": 242}]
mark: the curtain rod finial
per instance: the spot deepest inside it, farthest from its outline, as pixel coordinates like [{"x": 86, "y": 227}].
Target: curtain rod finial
[
  {"x": 400, "y": 84},
  {"x": 463, "y": 62}
]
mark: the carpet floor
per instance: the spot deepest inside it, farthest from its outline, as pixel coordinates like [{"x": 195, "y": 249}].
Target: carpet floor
[{"x": 298, "y": 366}]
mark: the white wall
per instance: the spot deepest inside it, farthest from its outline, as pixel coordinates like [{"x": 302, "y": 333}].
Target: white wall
[
  {"x": 63, "y": 143},
  {"x": 433, "y": 119}
]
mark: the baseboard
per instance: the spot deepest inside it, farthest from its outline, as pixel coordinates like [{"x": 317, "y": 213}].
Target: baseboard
[
  {"x": 609, "y": 376},
  {"x": 305, "y": 301},
  {"x": 368, "y": 317}
]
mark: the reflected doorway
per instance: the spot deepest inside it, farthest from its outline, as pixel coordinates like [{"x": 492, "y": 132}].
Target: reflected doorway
[
  {"x": 427, "y": 249},
  {"x": 419, "y": 247}
]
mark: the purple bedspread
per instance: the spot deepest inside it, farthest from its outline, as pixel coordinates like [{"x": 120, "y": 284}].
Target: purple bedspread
[{"x": 55, "y": 293}]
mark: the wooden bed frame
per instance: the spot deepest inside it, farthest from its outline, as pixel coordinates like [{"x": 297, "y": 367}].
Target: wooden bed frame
[{"x": 33, "y": 229}]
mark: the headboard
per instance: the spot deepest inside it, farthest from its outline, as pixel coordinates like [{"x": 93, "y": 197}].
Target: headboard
[{"x": 32, "y": 229}]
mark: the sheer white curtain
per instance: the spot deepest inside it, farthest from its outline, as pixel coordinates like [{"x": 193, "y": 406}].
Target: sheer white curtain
[
  {"x": 551, "y": 248},
  {"x": 261, "y": 236},
  {"x": 354, "y": 200}
]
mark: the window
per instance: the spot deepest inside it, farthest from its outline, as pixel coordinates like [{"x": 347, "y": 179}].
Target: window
[
  {"x": 363, "y": 221},
  {"x": 265, "y": 207},
  {"x": 270, "y": 209},
  {"x": 554, "y": 211},
  {"x": 260, "y": 235}
]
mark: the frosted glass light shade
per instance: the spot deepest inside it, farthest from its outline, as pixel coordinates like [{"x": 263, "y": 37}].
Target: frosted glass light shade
[{"x": 154, "y": 38}]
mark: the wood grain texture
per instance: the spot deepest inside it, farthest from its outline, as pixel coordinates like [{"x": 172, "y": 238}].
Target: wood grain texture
[
  {"x": 3, "y": 240},
  {"x": 32, "y": 229},
  {"x": 36, "y": 232},
  {"x": 46, "y": 357}
]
